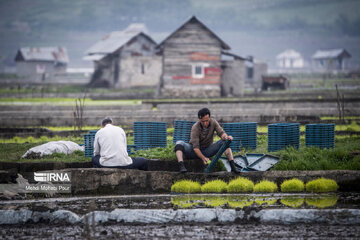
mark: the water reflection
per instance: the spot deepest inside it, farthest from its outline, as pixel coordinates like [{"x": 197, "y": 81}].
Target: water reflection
[
  {"x": 198, "y": 201},
  {"x": 322, "y": 202},
  {"x": 293, "y": 202}
]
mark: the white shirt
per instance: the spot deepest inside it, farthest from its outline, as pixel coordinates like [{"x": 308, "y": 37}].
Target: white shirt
[{"x": 110, "y": 144}]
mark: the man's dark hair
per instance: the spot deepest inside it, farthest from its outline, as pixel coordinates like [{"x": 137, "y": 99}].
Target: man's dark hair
[
  {"x": 203, "y": 112},
  {"x": 106, "y": 120}
]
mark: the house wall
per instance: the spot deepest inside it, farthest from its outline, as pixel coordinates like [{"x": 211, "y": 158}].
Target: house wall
[
  {"x": 33, "y": 70},
  {"x": 140, "y": 71},
  {"x": 260, "y": 69},
  {"x": 233, "y": 77},
  {"x": 190, "y": 46},
  {"x": 122, "y": 69},
  {"x": 333, "y": 64}
]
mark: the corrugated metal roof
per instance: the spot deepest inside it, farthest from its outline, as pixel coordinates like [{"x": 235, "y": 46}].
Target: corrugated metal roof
[
  {"x": 117, "y": 39},
  {"x": 93, "y": 57},
  {"x": 56, "y": 54},
  {"x": 331, "y": 53}
]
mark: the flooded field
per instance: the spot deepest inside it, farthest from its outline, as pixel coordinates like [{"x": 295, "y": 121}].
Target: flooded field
[{"x": 210, "y": 216}]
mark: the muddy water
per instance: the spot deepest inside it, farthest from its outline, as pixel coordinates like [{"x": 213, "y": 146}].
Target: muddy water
[
  {"x": 210, "y": 216},
  {"x": 83, "y": 205}
]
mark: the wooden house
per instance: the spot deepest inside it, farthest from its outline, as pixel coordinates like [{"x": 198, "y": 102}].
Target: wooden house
[
  {"x": 39, "y": 64},
  {"x": 330, "y": 60},
  {"x": 125, "y": 59},
  {"x": 192, "y": 64}
]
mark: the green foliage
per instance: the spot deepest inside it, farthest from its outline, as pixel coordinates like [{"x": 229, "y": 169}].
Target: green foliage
[
  {"x": 292, "y": 185},
  {"x": 265, "y": 186},
  {"x": 321, "y": 185},
  {"x": 240, "y": 185},
  {"x": 215, "y": 186},
  {"x": 219, "y": 166},
  {"x": 293, "y": 202},
  {"x": 313, "y": 158},
  {"x": 322, "y": 202},
  {"x": 166, "y": 153},
  {"x": 186, "y": 186}
]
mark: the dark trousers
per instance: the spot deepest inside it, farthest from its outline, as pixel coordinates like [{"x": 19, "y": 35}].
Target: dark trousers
[{"x": 138, "y": 163}]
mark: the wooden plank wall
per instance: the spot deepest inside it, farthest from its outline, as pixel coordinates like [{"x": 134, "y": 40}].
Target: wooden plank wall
[{"x": 191, "y": 45}]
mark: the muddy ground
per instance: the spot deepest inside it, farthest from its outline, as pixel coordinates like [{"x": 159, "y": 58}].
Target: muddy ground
[{"x": 188, "y": 231}]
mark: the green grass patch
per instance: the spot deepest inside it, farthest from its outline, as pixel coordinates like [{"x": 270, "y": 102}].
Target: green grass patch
[
  {"x": 322, "y": 202},
  {"x": 321, "y": 185},
  {"x": 342, "y": 157},
  {"x": 240, "y": 185},
  {"x": 265, "y": 186},
  {"x": 64, "y": 101},
  {"x": 214, "y": 186},
  {"x": 186, "y": 186},
  {"x": 313, "y": 158},
  {"x": 293, "y": 202},
  {"x": 292, "y": 185}
]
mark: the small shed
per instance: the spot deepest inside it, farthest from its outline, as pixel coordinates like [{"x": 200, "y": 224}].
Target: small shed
[
  {"x": 192, "y": 64},
  {"x": 289, "y": 59},
  {"x": 125, "y": 59},
  {"x": 331, "y": 60},
  {"x": 39, "y": 63}
]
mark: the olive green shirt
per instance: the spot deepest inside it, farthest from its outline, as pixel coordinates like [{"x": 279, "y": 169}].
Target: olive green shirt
[{"x": 203, "y": 137}]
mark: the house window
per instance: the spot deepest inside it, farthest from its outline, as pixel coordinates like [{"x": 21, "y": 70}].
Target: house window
[
  {"x": 250, "y": 72},
  {"x": 198, "y": 71},
  {"x": 142, "y": 68}
]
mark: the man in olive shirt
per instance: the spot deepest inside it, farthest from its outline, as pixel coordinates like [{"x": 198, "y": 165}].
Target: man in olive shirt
[{"x": 201, "y": 144}]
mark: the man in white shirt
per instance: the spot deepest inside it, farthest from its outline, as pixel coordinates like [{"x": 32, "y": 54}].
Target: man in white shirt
[{"x": 110, "y": 149}]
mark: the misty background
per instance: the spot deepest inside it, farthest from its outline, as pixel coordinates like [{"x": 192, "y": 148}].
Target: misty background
[{"x": 260, "y": 28}]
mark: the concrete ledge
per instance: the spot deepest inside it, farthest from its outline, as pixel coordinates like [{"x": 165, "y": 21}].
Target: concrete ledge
[
  {"x": 117, "y": 181},
  {"x": 154, "y": 165}
]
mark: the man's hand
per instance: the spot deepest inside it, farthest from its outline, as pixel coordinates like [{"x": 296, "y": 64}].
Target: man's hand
[
  {"x": 225, "y": 137},
  {"x": 205, "y": 160}
]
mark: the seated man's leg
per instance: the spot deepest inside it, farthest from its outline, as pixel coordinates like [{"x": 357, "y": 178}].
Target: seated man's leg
[
  {"x": 139, "y": 163},
  {"x": 212, "y": 149},
  {"x": 96, "y": 162},
  {"x": 183, "y": 149}
]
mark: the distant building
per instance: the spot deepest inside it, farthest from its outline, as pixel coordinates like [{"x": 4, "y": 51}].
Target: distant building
[
  {"x": 289, "y": 59},
  {"x": 41, "y": 63},
  {"x": 194, "y": 64},
  {"x": 125, "y": 59},
  {"x": 330, "y": 60}
]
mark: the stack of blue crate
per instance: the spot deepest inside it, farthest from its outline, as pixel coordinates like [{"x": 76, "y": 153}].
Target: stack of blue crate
[
  {"x": 89, "y": 143},
  {"x": 320, "y": 135},
  {"x": 149, "y": 135},
  {"x": 182, "y": 130},
  {"x": 244, "y": 134},
  {"x": 281, "y": 135}
]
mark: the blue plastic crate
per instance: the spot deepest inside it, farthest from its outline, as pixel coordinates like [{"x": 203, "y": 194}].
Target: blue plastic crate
[
  {"x": 244, "y": 134},
  {"x": 320, "y": 135},
  {"x": 281, "y": 135},
  {"x": 182, "y": 130},
  {"x": 150, "y": 135}
]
